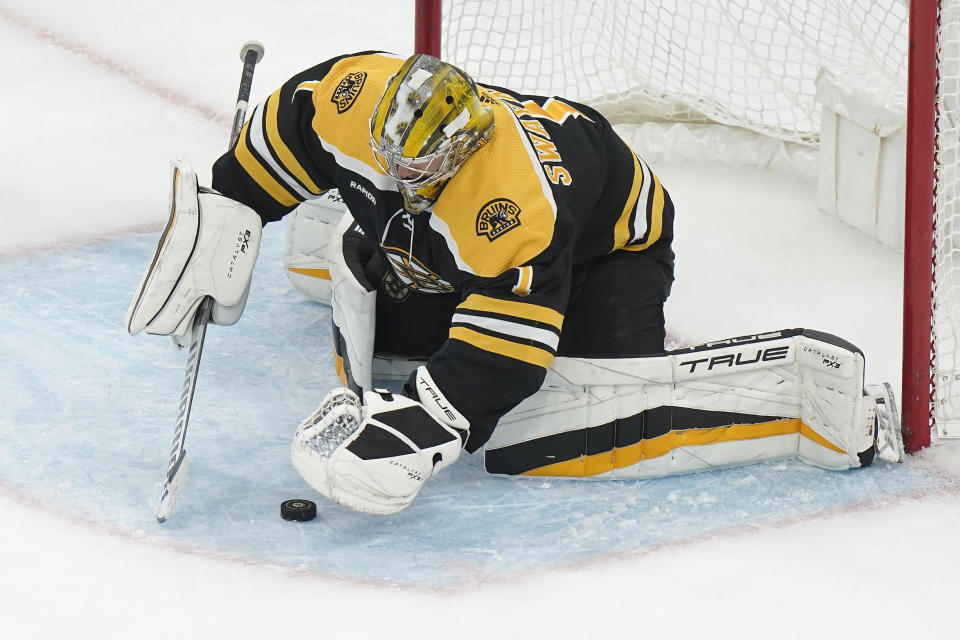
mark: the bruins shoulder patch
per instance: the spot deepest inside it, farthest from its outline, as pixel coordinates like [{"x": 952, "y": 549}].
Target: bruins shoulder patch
[
  {"x": 347, "y": 91},
  {"x": 497, "y": 217}
]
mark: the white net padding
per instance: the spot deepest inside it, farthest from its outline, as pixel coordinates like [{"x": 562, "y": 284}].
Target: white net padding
[
  {"x": 747, "y": 63},
  {"x": 946, "y": 308}
]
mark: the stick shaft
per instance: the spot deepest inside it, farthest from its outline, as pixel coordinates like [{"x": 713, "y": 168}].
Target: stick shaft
[
  {"x": 177, "y": 467},
  {"x": 250, "y": 58}
]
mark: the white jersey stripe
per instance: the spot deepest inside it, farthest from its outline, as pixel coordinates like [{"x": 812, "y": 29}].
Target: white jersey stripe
[
  {"x": 379, "y": 180},
  {"x": 640, "y": 211},
  {"x": 515, "y": 329}
]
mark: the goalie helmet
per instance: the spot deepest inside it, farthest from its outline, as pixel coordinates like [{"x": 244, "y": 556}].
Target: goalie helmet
[{"x": 429, "y": 121}]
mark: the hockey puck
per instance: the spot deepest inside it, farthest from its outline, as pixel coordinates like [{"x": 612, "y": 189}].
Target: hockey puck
[{"x": 298, "y": 509}]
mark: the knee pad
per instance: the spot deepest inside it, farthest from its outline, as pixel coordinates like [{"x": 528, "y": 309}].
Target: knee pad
[
  {"x": 353, "y": 302},
  {"x": 307, "y": 259}
]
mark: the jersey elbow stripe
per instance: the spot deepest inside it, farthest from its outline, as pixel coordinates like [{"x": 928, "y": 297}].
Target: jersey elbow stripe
[
  {"x": 524, "y": 310},
  {"x": 284, "y": 154},
  {"x": 622, "y": 232},
  {"x": 523, "y": 332},
  {"x": 259, "y": 142},
  {"x": 641, "y": 223},
  {"x": 259, "y": 173},
  {"x": 655, "y": 208},
  {"x": 501, "y": 346}
]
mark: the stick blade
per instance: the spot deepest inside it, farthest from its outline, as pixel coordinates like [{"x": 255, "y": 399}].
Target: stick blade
[{"x": 172, "y": 488}]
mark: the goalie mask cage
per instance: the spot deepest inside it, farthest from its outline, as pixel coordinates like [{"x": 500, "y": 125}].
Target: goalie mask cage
[{"x": 753, "y": 64}]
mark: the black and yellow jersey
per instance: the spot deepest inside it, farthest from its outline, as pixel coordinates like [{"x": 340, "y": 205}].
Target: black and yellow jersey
[{"x": 554, "y": 188}]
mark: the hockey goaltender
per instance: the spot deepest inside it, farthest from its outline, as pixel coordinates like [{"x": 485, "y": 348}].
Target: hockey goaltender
[{"x": 513, "y": 255}]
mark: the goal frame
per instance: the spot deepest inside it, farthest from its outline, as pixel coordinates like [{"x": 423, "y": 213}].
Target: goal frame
[
  {"x": 919, "y": 206},
  {"x": 919, "y": 211}
]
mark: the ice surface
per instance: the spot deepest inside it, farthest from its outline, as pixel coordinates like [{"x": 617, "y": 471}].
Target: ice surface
[
  {"x": 91, "y": 414},
  {"x": 98, "y": 97}
]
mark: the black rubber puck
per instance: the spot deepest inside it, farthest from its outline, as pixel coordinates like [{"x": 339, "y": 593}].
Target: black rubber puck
[{"x": 298, "y": 509}]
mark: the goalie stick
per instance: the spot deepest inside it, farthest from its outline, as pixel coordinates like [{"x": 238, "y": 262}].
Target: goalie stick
[{"x": 251, "y": 53}]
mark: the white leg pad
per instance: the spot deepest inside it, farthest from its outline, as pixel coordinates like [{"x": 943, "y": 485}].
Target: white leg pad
[{"x": 790, "y": 393}]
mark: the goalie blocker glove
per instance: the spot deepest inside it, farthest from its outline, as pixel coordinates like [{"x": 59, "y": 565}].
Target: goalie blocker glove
[
  {"x": 208, "y": 248},
  {"x": 375, "y": 458}
]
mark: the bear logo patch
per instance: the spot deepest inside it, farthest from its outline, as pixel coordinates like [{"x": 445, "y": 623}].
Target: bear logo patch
[
  {"x": 347, "y": 91},
  {"x": 497, "y": 217}
]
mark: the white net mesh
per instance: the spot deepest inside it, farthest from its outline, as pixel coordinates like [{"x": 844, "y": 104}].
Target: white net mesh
[
  {"x": 752, "y": 64},
  {"x": 946, "y": 314},
  {"x": 748, "y": 63}
]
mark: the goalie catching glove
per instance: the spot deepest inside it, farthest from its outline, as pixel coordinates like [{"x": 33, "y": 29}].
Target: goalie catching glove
[
  {"x": 208, "y": 248},
  {"x": 375, "y": 458}
]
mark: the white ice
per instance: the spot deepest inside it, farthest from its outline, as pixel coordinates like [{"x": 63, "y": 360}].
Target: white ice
[{"x": 97, "y": 97}]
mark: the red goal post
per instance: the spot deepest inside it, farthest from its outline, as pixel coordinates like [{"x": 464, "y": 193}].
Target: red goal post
[
  {"x": 919, "y": 243},
  {"x": 753, "y": 65}
]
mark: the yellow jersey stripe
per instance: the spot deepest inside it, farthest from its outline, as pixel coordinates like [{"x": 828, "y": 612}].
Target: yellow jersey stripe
[
  {"x": 656, "y": 217},
  {"x": 260, "y": 175},
  {"x": 619, "y": 458},
  {"x": 525, "y": 310},
  {"x": 284, "y": 154},
  {"x": 621, "y": 231},
  {"x": 526, "y": 353}
]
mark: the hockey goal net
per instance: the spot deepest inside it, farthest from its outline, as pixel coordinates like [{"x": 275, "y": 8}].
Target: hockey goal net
[{"x": 753, "y": 65}]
